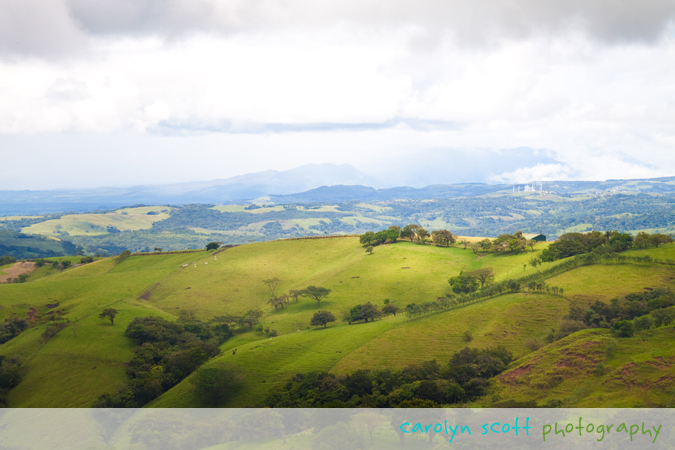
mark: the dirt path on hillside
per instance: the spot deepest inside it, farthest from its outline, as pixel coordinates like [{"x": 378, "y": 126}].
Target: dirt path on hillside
[{"x": 17, "y": 269}]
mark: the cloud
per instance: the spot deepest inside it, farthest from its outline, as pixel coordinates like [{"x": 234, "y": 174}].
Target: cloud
[{"x": 65, "y": 27}]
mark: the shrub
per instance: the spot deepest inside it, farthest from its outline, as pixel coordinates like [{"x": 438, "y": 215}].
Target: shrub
[
  {"x": 213, "y": 384},
  {"x": 533, "y": 344},
  {"x": 643, "y": 322},
  {"x": 467, "y": 336},
  {"x": 623, "y": 328},
  {"x": 51, "y": 331}
]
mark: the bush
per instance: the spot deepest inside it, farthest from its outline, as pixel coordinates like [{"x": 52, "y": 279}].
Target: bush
[
  {"x": 643, "y": 322},
  {"x": 215, "y": 383},
  {"x": 467, "y": 336},
  {"x": 663, "y": 316},
  {"x": 122, "y": 256},
  {"x": 51, "y": 331},
  {"x": 533, "y": 344},
  {"x": 623, "y": 328}
]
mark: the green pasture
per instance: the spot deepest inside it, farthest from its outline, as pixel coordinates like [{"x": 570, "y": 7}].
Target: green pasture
[
  {"x": 81, "y": 363},
  {"x": 604, "y": 282},
  {"x": 127, "y": 219}
]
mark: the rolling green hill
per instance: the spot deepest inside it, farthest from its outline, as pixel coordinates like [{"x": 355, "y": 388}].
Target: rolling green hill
[
  {"x": 23, "y": 246},
  {"x": 80, "y": 363}
]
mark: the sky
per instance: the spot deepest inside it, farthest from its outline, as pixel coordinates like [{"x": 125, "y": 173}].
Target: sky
[{"x": 127, "y": 92}]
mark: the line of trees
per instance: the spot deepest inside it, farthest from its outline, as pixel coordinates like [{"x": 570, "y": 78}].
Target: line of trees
[
  {"x": 413, "y": 232},
  {"x": 623, "y": 315},
  {"x": 426, "y": 385},
  {"x": 598, "y": 242}
]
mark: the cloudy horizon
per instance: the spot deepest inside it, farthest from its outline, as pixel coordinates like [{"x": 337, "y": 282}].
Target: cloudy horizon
[{"x": 118, "y": 93}]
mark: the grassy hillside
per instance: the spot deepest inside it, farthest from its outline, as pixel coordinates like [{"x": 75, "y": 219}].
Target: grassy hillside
[
  {"x": 23, "y": 246},
  {"x": 77, "y": 366},
  {"x": 593, "y": 368},
  {"x": 126, "y": 219}
]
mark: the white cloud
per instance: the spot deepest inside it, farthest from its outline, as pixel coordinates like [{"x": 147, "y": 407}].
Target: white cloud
[{"x": 342, "y": 81}]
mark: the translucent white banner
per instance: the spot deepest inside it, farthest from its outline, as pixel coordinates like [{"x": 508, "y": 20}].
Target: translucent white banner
[{"x": 327, "y": 429}]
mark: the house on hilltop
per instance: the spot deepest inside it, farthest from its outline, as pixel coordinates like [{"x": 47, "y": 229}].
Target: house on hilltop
[{"x": 534, "y": 237}]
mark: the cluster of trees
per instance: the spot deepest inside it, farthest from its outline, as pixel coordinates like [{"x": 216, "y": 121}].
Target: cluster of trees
[
  {"x": 7, "y": 259},
  {"x": 635, "y": 312},
  {"x": 388, "y": 236},
  {"x": 317, "y": 293},
  {"x": 166, "y": 353},
  {"x": 572, "y": 244},
  {"x": 514, "y": 243},
  {"x": 428, "y": 384},
  {"x": 364, "y": 312},
  {"x": 12, "y": 327},
  {"x": 416, "y": 233},
  {"x": 10, "y": 376},
  {"x": 468, "y": 282}
]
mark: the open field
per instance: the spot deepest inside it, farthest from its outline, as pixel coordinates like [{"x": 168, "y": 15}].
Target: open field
[
  {"x": 75, "y": 367},
  {"x": 126, "y": 219}
]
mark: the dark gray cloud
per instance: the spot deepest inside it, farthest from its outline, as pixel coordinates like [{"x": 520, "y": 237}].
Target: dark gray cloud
[
  {"x": 39, "y": 28},
  {"x": 62, "y": 26}
]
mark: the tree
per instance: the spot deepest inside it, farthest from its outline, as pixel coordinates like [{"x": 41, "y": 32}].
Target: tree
[
  {"x": 251, "y": 318},
  {"x": 396, "y": 229},
  {"x": 370, "y": 311},
  {"x": 369, "y": 249},
  {"x": 109, "y": 313},
  {"x": 122, "y": 256},
  {"x": 158, "y": 249},
  {"x": 390, "y": 308},
  {"x": 422, "y": 235},
  {"x": 623, "y": 328},
  {"x": 272, "y": 284},
  {"x": 484, "y": 275},
  {"x": 463, "y": 283},
  {"x": 409, "y": 231},
  {"x": 214, "y": 383},
  {"x": 317, "y": 293},
  {"x": 322, "y": 318},
  {"x": 367, "y": 238},
  {"x": 294, "y": 294},
  {"x": 535, "y": 261},
  {"x": 442, "y": 237},
  {"x": 277, "y": 301},
  {"x": 212, "y": 246},
  {"x": 465, "y": 243}
]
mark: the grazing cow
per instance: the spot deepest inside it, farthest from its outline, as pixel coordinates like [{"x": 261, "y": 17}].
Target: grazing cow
[{"x": 206, "y": 263}]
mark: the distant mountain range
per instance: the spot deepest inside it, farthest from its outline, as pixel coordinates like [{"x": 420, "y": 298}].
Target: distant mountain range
[
  {"x": 363, "y": 193},
  {"x": 240, "y": 188},
  {"x": 305, "y": 184}
]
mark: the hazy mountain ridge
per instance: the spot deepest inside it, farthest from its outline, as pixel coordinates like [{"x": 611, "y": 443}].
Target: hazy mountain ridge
[{"x": 239, "y": 188}]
